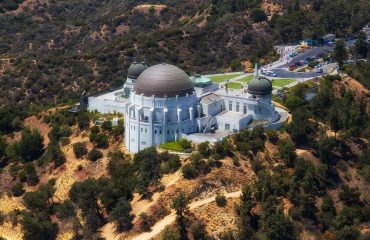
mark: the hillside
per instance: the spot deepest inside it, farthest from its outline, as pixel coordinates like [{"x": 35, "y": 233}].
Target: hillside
[
  {"x": 52, "y": 51},
  {"x": 310, "y": 180}
]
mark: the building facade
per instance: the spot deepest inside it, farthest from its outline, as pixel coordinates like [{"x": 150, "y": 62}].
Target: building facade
[{"x": 162, "y": 103}]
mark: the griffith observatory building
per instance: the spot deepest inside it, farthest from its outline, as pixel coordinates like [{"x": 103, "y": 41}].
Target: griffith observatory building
[{"x": 162, "y": 103}]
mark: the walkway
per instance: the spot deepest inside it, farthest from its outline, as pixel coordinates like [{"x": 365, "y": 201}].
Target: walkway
[{"x": 169, "y": 219}]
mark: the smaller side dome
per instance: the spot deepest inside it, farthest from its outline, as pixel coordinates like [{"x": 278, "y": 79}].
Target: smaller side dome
[
  {"x": 200, "y": 81},
  {"x": 260, "y": 86},
  {"x": 136, "y": 69}
]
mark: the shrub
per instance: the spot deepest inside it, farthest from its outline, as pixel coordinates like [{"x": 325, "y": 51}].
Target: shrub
[
  {"x": 258, "y": 15},
  {"x": 221, "y": 200},
  {"x": 185, "y": 144},
  {"x": 94, "y": 155},
  {"x": 64, "y": 141},
  {"x": 144, "y": 222},
  {"x": 79, "y": 149},
  {"x": 204, "y": 149},
  {"x": 236, "y": 161},
  {"x": 17, "y": 190},
  {"x": 350, "y": 196},
  {"x": 172, "y": 165},
  {"x": 79, "y": 167},
  {"x": 107, "y": 126},
  {"x": 22, "y": 176},
  {"x": 272, "y": 135},
  {"x": 189, "y": 171},
  {"x": 101, "y": 140},
  {"x": 287, "y": 152}
]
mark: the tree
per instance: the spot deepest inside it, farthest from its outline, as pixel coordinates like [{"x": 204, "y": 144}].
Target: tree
[
  {"x": 31, "y": 145},
  {"x": 245, "y": 230},
  {"x": 38, "y": 228},
  {"x": 83, "y": 120},
  {"x": 86, "y": 195},
  {"x": 56, "y": 154},
  {"x": 180, "y": 205},
  {"x": 350, "y": 196},
  {"x": 361, "y": 45},
  {"x": 2, "y": 148},
  {"x": 148, "y": 165},
  {"x": 66, "y": 210},
  {"x": 121, "y": 215},
  {"x": 198, "y": 229},
  {"x": 41, "y": 200},
  {"x": 276, "y": 226},
  {"x": 287, "y": 151},
  {"x": 340, "y": 52},
  {"x": 171, "y": 234},
  {"x": 347, "y": 233},
  {"x": 258, "y": 15},
  {"x": 79, "y": 149}
]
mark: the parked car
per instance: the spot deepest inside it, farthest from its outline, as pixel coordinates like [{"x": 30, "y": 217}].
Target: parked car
[
  {"x": 270, "y": 73},
  {"x": 292, "y": 66},
  {"x": 293, "y": 54},
  {"x": 308, "y": 59},
  {"x": 319, "y": 70},
  {"x": 299, "y": 64}
]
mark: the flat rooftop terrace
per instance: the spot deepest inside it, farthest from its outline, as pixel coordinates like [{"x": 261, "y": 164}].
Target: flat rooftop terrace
[{"x": 115, "y": 95}]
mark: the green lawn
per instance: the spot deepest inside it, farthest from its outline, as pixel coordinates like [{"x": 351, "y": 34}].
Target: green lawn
[
  {"x": 234, "y": 85},
  {"x": 221, "y": 78},
  {"x": 173, "y": 146},
  {"x": 246, "y": 79},
  {"x": 281, "y": 82}
]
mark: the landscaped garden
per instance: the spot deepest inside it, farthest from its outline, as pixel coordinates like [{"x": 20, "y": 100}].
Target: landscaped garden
[
  {"x": 234, "y": 85},
  {"x": 223, "y": 77},
  {"x": 281, "y": 82}
]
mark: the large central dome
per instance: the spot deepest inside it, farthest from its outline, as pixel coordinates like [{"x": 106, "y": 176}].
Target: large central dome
[{"x": 163, "y": 80}]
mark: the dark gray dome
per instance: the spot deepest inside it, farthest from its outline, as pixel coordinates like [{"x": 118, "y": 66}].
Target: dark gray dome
[
  {"x": 260, "y": 86},
  {"x": 163, "y": 80},
  {"x": 136, "y": 69}
]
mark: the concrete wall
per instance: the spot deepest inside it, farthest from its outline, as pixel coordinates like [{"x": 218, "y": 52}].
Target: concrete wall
[{"x": 105, "y": 106}]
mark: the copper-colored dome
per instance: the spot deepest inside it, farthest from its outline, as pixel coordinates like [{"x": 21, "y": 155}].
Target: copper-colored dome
[
  {"x": 136, "y": 69},
  {"x": 163, "y": 80}
]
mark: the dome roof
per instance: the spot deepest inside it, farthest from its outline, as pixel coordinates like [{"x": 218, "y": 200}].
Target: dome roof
[
  {"x": 200, "y": 81},
  {"x": 260, "y": 86},
  {"x": 163, "y": 80},
  {"x": 136, "y": 69}
]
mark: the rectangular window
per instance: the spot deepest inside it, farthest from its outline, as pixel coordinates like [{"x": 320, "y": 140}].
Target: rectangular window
[
  {"x": 141, "y": 130},
  {"x": 155, "y": 131},
  {"x": 245, "y": 108},
  {"x": 237, "y": 106},
  {"x": 146, "y": 130},
  {"x": 230, "y": 105},
  {"x": 227, "y": 126},
  {"x": 160, "y": 131}
]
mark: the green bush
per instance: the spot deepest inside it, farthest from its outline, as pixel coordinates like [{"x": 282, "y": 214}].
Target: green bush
[
  {"x": 221, "y": 200},
  {"x": 189, "y": 171},
  {"x": 17, "y": 190},
  {"x": 79, "y": 149},
  {"x": 94, "y": 155}
]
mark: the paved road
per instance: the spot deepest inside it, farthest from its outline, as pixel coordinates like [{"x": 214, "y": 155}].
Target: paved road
[{"x": 282, "y": 70}]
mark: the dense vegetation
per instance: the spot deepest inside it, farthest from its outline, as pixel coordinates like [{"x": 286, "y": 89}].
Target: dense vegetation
[{"x": 53, "y": 52}]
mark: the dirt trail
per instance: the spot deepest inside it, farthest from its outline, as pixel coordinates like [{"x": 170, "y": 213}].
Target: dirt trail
[{"x": 160, "y": 225}]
